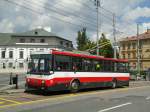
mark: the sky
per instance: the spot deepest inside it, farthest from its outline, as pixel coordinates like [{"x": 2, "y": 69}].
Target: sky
[{"x": 66, "y": 17}]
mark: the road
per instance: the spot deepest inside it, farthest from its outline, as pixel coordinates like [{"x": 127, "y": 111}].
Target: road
[{"x": 108, "y": 100}]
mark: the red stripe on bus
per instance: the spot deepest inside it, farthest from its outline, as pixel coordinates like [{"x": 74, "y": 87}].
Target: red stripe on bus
[{"x": 50, "y": 82}]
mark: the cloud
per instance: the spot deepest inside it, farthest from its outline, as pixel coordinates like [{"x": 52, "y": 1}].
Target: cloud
[
  {"x": 136, "y": 13},
  {"x": 66, "y": 17},
  {"x": 6, "y": 26},
  {"x": 41, "y": 20}
]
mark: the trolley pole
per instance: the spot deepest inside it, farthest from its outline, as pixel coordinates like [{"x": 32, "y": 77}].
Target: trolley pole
[{"x": 138, "y": 52}]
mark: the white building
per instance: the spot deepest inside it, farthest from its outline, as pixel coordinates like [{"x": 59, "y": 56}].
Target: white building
[{"x": 15, "y": 48}]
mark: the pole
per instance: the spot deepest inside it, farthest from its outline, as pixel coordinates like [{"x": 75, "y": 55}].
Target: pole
[
  {"x": 16, "y": 81},
  {"x": 10, "y": 79},
  {"x": 98, "y": 4},
  {"x": 138, "y": 52},
  {"x": 114, "y": 34}
]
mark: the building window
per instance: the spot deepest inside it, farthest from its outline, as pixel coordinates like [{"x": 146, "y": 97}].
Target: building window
[
  {"x": 128, "y": 46},
  {"x": 42, "y": 40},
  {"x": 21, "y": 65},
  {"x": 67, "y": 44},
  {"x": 134, "y": 46},
  {"x": 36, "y": 32},
  {"x": 61, "y": 42},
  {"x": 22, "y": 40},
  {"x": 134, "y": 66},
  {"x": 123, "y": 46},
  {"x": 32, "y": 40},
  {"x": 10, "y": 65},
  {"x": 134, "y": 55},
  {"x": 140, "y": 45},
  {"x": 21, "y": 54},
  {"x": 129, "y": 55},
  {"x": 124, "y": 56},
  {"x": 3, "y": 54},
  {"x": 10, "y": 54}
]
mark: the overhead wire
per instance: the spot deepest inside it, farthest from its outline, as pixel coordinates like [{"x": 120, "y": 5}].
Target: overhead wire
[{"x": 35, "y": 11}]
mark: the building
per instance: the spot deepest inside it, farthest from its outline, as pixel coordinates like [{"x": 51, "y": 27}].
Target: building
[
  {"x": 128, "y": 50},
  {"x": 15, "y": 48}
]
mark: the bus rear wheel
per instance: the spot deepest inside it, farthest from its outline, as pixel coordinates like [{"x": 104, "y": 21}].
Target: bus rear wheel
[{"x": 74, "y": 86}]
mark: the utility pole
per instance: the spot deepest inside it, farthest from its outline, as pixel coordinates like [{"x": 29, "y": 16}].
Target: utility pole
[
  {"x": 97, "y": 4},
  {"x": 115, "y": 43},
  {"x": 114, "y": 35},
  {"x": 138, "y": 52}
]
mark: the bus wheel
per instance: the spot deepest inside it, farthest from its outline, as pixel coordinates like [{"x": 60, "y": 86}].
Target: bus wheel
[
  {"x": 114, "y": 83},
  {"x": 74, "y": 86}
]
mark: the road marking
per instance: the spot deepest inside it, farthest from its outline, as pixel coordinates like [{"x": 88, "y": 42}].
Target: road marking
[
  {"x": 1, "y": 102},
  {"x": 148, "y": 98},
  {"x": 12, "y": 101},
  {"x": 118, "y": 106}
]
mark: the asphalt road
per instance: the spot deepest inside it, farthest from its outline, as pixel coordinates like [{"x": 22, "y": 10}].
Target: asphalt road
[{"x": 117, "y": 100}]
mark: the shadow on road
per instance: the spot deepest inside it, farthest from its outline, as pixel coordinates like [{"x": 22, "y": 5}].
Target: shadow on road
[{"x": 54, "y": 93}]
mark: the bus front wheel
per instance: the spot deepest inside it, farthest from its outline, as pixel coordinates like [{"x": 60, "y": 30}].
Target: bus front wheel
[{"x": 74, "y": 86}]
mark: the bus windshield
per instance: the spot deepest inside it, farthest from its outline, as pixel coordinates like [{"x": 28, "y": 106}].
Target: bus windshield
[{"x": 40, "y": 64}]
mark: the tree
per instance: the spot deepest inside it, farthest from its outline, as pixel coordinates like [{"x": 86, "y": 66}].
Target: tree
[
  {"x": 82, "y": 40},
  {"x": 84, "y": 43},
  {"x": 90, "y": 46},
  {"x": 107, "y": 49}
]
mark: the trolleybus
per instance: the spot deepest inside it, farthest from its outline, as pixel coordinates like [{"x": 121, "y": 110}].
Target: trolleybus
[{"x": 62, "y": 70}]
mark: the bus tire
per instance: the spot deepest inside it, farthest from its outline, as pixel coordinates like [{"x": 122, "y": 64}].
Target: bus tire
[
  {"x": 74, "y": 86},
  {"x": 114, "y": 84}
]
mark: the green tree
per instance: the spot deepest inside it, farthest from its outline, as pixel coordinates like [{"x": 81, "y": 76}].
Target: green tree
[
  {"x": 90, "y": 46},
  {"x": 82, "y": 40},
  {"x": 106, "y": 48}
]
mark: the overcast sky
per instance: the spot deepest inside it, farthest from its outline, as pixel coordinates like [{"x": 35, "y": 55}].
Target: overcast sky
[{"x": 66, "y": 17}]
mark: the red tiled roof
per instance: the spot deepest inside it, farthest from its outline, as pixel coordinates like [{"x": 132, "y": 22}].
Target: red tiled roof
[{"x": 142, "y": 36}]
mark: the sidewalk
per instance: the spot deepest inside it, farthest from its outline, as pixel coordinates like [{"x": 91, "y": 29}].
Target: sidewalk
[
  {"x": 139, "y": 83},
  {"x": 11, "y": 88}
]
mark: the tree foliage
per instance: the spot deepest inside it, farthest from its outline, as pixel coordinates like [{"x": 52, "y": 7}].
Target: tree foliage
[
  {"x": 82, "y": 40},
  {"x": 84, "y": 43},
  {"x": 106, "y": 48}
]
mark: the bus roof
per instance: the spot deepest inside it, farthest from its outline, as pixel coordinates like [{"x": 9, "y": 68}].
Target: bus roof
[{"x": 65, "y": 53}]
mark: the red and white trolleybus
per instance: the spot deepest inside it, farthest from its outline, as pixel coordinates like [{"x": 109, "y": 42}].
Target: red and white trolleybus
[{"x": 62, "y": 70}]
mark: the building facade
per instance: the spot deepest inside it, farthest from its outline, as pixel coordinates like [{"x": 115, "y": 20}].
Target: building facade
[
  {"x": 128, "y": 50},
  {"x": 15, "y": 48}
]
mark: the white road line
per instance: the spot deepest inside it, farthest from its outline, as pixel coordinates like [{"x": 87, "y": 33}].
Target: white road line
[
  {"x": 148, "y": 98},
  {"x": 107, "y": 109}
]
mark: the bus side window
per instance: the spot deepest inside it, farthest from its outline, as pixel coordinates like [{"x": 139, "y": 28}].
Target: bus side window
[{"x": 62, "y": 63}]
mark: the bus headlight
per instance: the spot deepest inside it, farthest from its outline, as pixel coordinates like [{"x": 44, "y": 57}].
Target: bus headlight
[
  {"x": 43, "y": 81},
  {"x": 28, "y": 80},
  {"x": 43, "y": 84}
]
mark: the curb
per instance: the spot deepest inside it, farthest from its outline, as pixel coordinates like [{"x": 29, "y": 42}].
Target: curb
[{"x": 8, "y": 87}]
